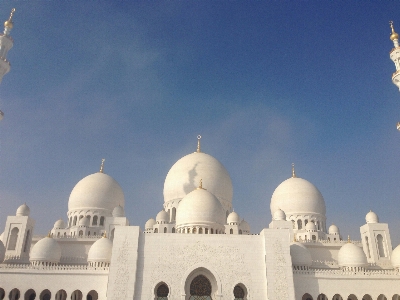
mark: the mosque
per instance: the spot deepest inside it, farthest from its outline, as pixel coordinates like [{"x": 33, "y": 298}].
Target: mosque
[{"x": 196, "y": 247}]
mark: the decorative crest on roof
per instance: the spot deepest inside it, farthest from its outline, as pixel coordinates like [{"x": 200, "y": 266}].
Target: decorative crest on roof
[{"x": 102, "y": 165}]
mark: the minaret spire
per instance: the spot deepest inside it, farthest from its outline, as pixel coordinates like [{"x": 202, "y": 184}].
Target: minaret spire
[
  {"x": 395, "y": 55},
  {"x": 198, "y": 144},
  {"x": 102, "y": 165},
  {"x": 293, "y": 171}
]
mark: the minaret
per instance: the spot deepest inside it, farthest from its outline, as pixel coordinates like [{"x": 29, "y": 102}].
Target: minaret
[
  {"x": 6, "y": 43},
  {"x": 395, "y": 56}
]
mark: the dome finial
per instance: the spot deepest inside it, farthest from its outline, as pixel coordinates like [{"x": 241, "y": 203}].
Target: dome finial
[
  {"x": 293, "y": 171},
  {"x": 198, "y": 143},
  {"x": 104, "y": 234},
  {"x": 348, "y": 239},
  {"x": 102, "y": 165},
  {"x": 49, "y": 234},
  {"x": 394, "y": 35}
]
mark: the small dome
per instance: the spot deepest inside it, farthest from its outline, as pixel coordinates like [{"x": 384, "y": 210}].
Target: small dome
[
  {"x": 279, "y": 215},
  {"x": 297, "y": 196},
  {"x": 2, "y": 252},
  {"x": 311, "y": 226},
  {"x": 351, "y": 255},
  {"x": 371, "y": 217},
  {"x": 150, "y": 223},
  {"x": 186, "y": 173},
  {"x": 96, "y": 191},
  {"x": 301, "y": 256},
  {"x": 84, "y": 222},
  {"x": 162, "y": 217},
  {"x": 200, "y": 207},
  {"x": 396, "y": 257},
  {"x": 245, "y": 226},
  {"x": 333, "y": 229},
  {"x": 233, "y": 217},
  {"x": 46, "y": 250},
  {"x": 59, "y": 224},
  {"x": 23, "y": 210},
  {"x": 100, "y": 251},
  {"x": 118, "y": 212}
]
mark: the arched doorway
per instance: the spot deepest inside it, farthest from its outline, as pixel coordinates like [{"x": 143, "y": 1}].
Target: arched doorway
[
  {"x": 352, "y": 297},
  {"x": 322, "y": 297},
  {"x": 14, "y": 294},
  {"x": 367, "y": 297},
  {"x": 2, "y": 294},
  {"x": 61, "y": 295},
  {"x": 30, "y": 295},
  {"x": 395, "y": 297},
  {"x": 239, "y": 292},
  {"x": 382, "y": 297},
  {"x": 45, "y": 295},
  {"x": 307, "y": 296},
  {"x": 92, "y": 295},
  {"x": 337, "y": 297},
  {"x": 162, "y": 292},
  {"x": 76, "y": 295},
  {"x": 200, "y": 288}
]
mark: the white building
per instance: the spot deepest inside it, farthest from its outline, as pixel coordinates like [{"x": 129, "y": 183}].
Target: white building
[{"x": 197, "y": 247}]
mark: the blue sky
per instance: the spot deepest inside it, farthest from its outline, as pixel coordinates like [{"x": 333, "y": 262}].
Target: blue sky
[{"x": 265, "y": 84}]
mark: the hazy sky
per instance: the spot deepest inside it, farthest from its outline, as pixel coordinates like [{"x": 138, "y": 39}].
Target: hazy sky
[{"x": 266, "y": 83}]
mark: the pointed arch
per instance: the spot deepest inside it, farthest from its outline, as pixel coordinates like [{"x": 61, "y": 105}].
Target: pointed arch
[
  {"x": 92, "y": 295},
  {"x": 61, "y": 295},
  {"x": 12, "y": 241},
  {"x": 29, "y": 295},
  {"x": 14, "y": 294},
  {"x": 306, "y": 296},
  {"x": 45, "y": 295}
]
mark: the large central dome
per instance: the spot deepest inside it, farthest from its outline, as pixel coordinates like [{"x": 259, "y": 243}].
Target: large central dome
[{"x": 186, "y": 173}]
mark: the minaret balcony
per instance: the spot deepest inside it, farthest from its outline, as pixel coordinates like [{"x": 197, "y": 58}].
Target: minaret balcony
[{"x": 396, "y": 78}]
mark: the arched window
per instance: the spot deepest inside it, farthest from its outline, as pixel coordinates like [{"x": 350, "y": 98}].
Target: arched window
[
  {"x": 2, "y": 294},
  {"x": 314, "y": 238},
  {"x": 173, "y": 229},
  {"x": 102, "y": 221},
  {"x": 165, "y": 229},
  {"x": 299, "y": 224},
  {"x": 45, "y": 295},
  {"x": 194, "y": 230},
  {"x": 212, "y": 231},
  {"x": 80, "y": 233},
  {"x": 28, "y": 235},
  {"x": 352, "y": 297},
  {"x": 188, "y": 230},
  {"x": 58, "y": 234},
  {"x": 156, "y": 230},
  {"x": 14, "y": 294},
  {"x": 337, "y": 297},
  {"x": 80, "y": 217},
  {"x": 88, "y": 233},
  {"x": 231, "y": 231},
  {"x": 318, "y": 228},
  {"x": 381, "y": 248},
  {"x": 238, "y": 292},
  {"x": 367, "y": 297},
  {"x": 75, "y": 219},
  {"x": 305, "y": 222},
  {"x": 240, "y": 231},
  {"x": 76, "y": 295},
  {"x": 92, "y": 295},
  {"x": 395, "y": 297},
  {"x": 94, "y": 222},
  {"x": 294, "y": 224},
  {"x": 12, "y": 243},
  {"x": 382, "y": 297},
  {"x": 200, "y": 230},
  {"x": 61, "y": 295},
  {"x": 200, "y": 288},
  {"x": 162, "y": 292},
  {"x": 307, "y": 297},
  {"x": 322, "y": 297},
  {"x": 88, "y": 217},
  {"x": 206, "y": 231},
  {"x": 29, "y": 295}
]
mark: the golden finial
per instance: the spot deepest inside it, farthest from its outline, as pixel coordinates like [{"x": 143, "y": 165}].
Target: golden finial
[
  {"x": 9, "y": 23},
  {"x": 293, "y": 171},
  {"x": 198, "y": 143},
  {"x": 394, "y": 35},
  {"x": 49, "y": 234},
  {"x": 294, "y": 238},
  {"x": 102, "y": 165},
  {"x": 104, "y": 234},
  {"x": 348, "y": 239}
]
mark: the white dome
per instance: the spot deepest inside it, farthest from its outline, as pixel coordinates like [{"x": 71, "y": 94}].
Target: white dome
[
  {"x": 23, "y": 210},
  {"x": 245, "y": 226},
  {"x": 150, "y": 223},
  {"x": 2, "y": 252},
  {"x": 118, "y": 212},
  {"x": 186, "y": 173},
  {"x": 162, "y": 217},
  {"x": 84, "y": 222},
  {"x": 96, "y": 191},
  {"x": 395, "y": 259},
  {"x": 311, "y": 226},
  {"x": 351, "y": 255},
  {"x": 301, "y": 256},
  {"x": 296, "y": 195},
  {"x": 333, "y": 229},
  {"x": 59, "y": 224},
  {"x": 46, "y": 250},
  {"x": 100, "y": 251},
  {"x": 279, "y": 215},
  {"x": 200, "y": 207},
  {"x": 371, "y": 217},
  {"x": 233, "y": 217}
]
